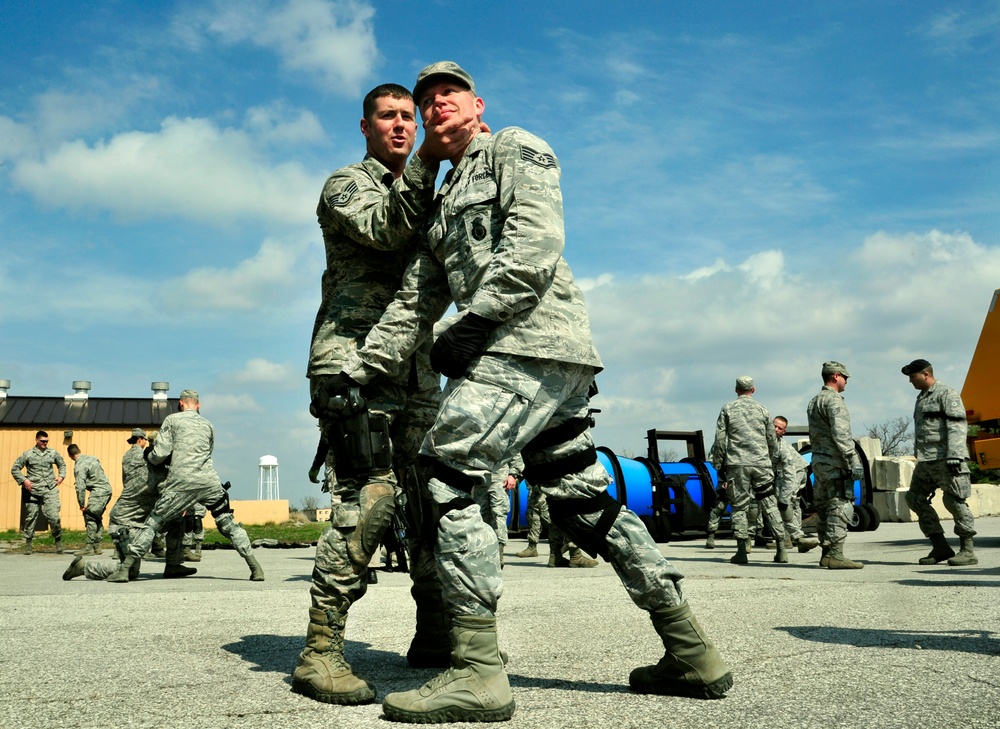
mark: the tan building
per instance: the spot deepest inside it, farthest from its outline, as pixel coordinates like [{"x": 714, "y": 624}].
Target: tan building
[{"x": 101, "y": 426}]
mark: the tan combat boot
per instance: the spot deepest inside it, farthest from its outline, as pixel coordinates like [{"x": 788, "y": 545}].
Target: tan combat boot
[
  {"x": 940, "y": 551},
  {"x": 322, "y": 673},
  {"x": 530, "y": 551},
  {"x": 474, "y": 688},
  {"x": 691, "y": 666},
  {"x": 781, "y": 555},
  {"x": 824, "y": 557},
  {"x": 965, "y": 554},
  {"x": 75, "y": 568},
  {"x": 710, "y": 541},
  {"x": 837, "y": 561},
  {"x": 256, "y": 571},
  {"x": 578, "y": 559},
  {"x": 806, "y": 543}
]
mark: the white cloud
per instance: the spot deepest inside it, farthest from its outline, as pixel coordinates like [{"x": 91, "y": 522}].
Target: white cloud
[
  {"x": 263, "y": 372},
  {"x": 267, "y": 277},
  {"x": 673, "y": 345},
  {"x": 334, "y": 41},
  {"x": 190, "y": 168},
  {"x": 276, "y": 124}
]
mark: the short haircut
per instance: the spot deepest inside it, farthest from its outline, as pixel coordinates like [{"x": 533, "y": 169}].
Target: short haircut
[
  {"x": 73, "y": 449},
  {"x": 41, "y": 434},
  {"x": 394, "y": 90},
  {"x": 782, "y": 418}
]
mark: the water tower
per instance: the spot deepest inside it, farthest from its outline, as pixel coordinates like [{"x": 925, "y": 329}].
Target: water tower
[{"x": 267, "y": 482}]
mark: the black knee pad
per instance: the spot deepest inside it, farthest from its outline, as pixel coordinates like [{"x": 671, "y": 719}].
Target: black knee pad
[
  {"x": 592, "y": 539},
  {"x": 220, "y": 507}
]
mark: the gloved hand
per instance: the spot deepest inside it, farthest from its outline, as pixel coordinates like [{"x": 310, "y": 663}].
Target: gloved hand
[
  {"x": 328, "y": 389},
  {"x": 459, "y": 344},
  {"x": 857, "y": 472},
  {"x": 955, "y": 466}
]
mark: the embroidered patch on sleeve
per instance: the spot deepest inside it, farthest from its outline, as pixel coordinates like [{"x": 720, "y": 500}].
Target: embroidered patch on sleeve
[
  {"x": 542, "y": 159},
  {"x": 342, "y": 198}
]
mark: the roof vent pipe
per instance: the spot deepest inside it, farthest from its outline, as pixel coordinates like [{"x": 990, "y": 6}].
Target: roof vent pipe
[
  {"x": 159, "y": 390},
  {"x": 4, "y": 386},
  {"x": 81, "y": 388}
]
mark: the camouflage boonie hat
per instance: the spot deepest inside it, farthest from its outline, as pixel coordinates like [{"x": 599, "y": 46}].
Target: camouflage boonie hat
[
  {"x": 744, "y": 383},
  {"x": 448, "y": 69},
  {"x": 189, "y": 395},
  {"x": 137, "y": 433},
  {"x": 834, "y": 368}
]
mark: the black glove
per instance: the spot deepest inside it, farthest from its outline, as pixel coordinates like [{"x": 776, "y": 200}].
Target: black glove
[
  {"x": 328, "y": 389},
  {"x": 955, "y": 466},
  {"x": 461, "y": 343}
]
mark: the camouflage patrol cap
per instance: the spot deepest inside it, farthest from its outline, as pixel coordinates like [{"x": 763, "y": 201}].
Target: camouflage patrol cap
[
  {"x": 917, "y": 365},
  {"x": 137, "y": 433},
  {"x": 744, "y": 383},
  {"x": 189, "y": 395},
  {"x": 434, "y": 72},
  {"x": 834, "y": 368}
]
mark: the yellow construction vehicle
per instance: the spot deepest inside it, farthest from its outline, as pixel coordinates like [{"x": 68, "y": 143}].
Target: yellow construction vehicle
[{"x": 981, "y": 392}]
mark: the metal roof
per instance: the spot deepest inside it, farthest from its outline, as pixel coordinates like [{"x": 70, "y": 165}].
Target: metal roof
[{"x": 98, "y": 411}]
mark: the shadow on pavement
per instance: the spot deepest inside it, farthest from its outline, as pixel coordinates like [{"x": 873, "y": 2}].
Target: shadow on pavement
[{"x": 963, "y": 641}]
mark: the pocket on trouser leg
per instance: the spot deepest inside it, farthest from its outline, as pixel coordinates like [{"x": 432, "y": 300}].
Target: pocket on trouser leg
[{"x": 469, "y": 562}]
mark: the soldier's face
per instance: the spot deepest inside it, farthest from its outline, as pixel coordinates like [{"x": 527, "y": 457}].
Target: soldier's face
[
  {"x": 392, "y": 129},
  {"x": 780, "y": 427},
  {"x": 919, "y": 380},
  {"x": 442, "y": 101},
  {"x": 42, "y": 443}
]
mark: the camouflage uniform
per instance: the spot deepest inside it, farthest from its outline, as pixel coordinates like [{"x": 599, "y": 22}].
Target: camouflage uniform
[
  {"x": 89, "y": 476},
  {"x": 370, "y": 222},
  {"x": 833, "y": 458},
  {"x": 187, "y": 439},
  {"x": 44, "y": 494},
  {"x": 745, "y": 446},
  {"x": 940, "y": 430},
  {"x": 497, "y": 502},
  {"x": 790, "y": 477},
  {"x": 494, "y": 247}
]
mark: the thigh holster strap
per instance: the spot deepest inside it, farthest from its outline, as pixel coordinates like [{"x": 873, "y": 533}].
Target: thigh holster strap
[
  {"x": 553, "y": 470},
  {"x": 447, "y": 475},
  {"x": 592, "y": 540},
  {"x": 562, "y": 433}
]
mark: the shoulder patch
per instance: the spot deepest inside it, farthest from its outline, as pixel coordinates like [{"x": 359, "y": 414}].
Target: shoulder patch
[
  {"x": 342, "y": 198},
  {"x": 542, "y": 159}
]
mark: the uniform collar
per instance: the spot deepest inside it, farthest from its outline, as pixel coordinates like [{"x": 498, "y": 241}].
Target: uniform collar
[{"x": 378, "y": 171}]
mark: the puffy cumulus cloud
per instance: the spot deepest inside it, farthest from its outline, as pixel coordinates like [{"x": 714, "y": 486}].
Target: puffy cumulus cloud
[
  {"x": 278, "y": 125},
  {"x": 190, "y": 168},
  {"x": 262, "y": 372},
  {"x": 334, "y": 41},
  {"x": 228, "y": 405},
  {"x": 673, "y": 345},
  {"x": 252, "y": 284}
]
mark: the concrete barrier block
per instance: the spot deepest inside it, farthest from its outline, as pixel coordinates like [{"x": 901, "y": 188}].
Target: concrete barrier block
[
  {"x": 893, "y": 473},
  {"x": 987, "y": 498},
  {"x": 871, "y": 447},
  {"x": 891, "y": 506}
]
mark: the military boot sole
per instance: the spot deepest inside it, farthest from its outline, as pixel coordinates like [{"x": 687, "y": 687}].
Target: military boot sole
[
  {"x": 843, "y": 564},
  {"x": 448, "y": 714},
  {"x": 178, "y": 571},
  {"x": 666, "y": 687},
  {"x": 739, "y": 559},
  {"x": 75, "y": 569},
  {"x": 350, "y": 698},
  {"x": 959, "y": 561},
  {"x": 936, "y": 557}
]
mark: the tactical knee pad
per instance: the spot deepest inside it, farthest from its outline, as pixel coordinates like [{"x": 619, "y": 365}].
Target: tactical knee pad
[
  {"x": 220, "y": 508},
  {"x": 378, "y": 504},
  {"x": 592, "y": 539}
]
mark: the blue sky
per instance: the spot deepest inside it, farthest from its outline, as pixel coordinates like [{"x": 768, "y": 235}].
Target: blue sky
[{"x": 749, "y": 188}]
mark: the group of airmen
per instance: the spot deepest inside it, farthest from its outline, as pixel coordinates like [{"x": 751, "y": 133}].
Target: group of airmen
[
  {"x": 520, "y": 365},
  {"x": 757, "y": 468},
  {"x": 168, "y": 486}
]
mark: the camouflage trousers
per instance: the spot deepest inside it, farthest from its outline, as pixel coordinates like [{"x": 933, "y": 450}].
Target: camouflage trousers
[
  {"x": 92, "y": 517},
  {"x": 497, "y": 507},
  {"x": 42, "y": 500},
  {"x": 194, "y": 528},
  {"x": 746, "y": 485},
  {"x": 485, "y": 419},
  {"x": 833, "y": 497},
  {"x": 928, "y": 477},
  {"x": 171, "y": 506},
  {"x": 537, "y": 513},
  {"x": 101, "y": 569},
  {"x": 791, "y": 515}
]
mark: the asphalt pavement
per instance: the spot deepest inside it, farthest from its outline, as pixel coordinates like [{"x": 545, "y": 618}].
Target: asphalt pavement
[{"x": 893, "y": 645}]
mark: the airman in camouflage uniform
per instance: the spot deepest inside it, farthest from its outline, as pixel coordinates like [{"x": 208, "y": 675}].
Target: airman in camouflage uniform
[
  {"x": 371, "y": 215},
  {"x": 497, "y": 503},
  {"x": 89, "y": 476},
  {"x": 940, "y": 430},
  {"x": 186, "y": 441},
  {"x": 521, "y": 364},
  {"x": 790, "y": 478},
  {"x": 537, "y": 512},
  {"x": 835, "y": 466},
  {"x": 128, "y": 517},
  {"x": 745, "y": 447},
  {"x": 40, "y": 488}
]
